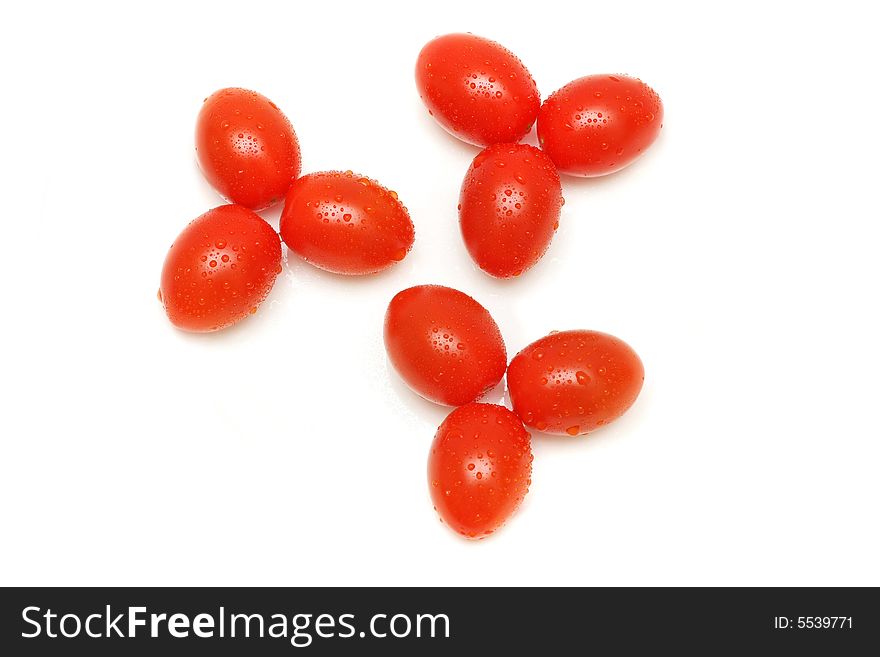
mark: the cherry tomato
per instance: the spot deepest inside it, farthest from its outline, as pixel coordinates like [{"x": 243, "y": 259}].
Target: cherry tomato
[
  {"x": 477, "y": 89},
  {"x": 599, "y": 124},
  {"x": 444, "y": 345},
  {"x": 345, "y": 223},
  {"x": 480, "y": 468},
  {"x": 509, "y": 208},
  {"x": 219, "y": 269},
  {"x": 246, "y": 147},
  {"x": 572, "y": 382}
]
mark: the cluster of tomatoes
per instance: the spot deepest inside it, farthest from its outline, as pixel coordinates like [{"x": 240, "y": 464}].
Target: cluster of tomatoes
[{"x": 443, "y": 343}]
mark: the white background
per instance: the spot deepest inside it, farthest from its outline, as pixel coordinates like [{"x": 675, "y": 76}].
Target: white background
[{"x": 739, "y": 258}]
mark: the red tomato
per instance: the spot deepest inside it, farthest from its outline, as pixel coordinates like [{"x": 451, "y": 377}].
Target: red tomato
[
  {"x": 572, "y": 382},
  {"x": 219, "y": 269},
  {"x": 477, "y": 89},
  {"x": 480, "y": 468},
  {"x": 599, "y": 124},
  {"x": 246, "y": 147},
  {"x": 509, "y": 208},
  {"x": 444, "y": 345},
  {"x": 345, "y": 223}
]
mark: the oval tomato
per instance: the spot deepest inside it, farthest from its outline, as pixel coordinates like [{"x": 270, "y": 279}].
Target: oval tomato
[
  {"x": 572, "y": 382},
  {"x": 480, "y": 468},
  {"x": 599, "y": 124},
  {"x": 345, "y": 223},
  {"x": 509, "y": 208},
  {"x": 219, "y": 269},
  {"x": 246, "y": 147},
  {"x": 444, "y": 345},
  {"x": 477, "y": 89}
]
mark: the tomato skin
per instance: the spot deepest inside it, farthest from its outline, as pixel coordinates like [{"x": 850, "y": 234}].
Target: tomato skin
[
  {"x": 477, "y": 89},
  {"x": 444, "y": 344},
  {"x": 509, "y": 208},
  {"x": 572, "y": 382},
  {"x": 599, "y": 124},
  {"x": 246, "y": 148},
  {"x": 345, "y": 223},
  {"x": 479, "y": 468},
  {"x": 219, "y": 269}
]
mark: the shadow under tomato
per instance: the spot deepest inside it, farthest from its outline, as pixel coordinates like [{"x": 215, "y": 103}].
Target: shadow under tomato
[
  {"x": 539, "y": 275},
  {"x": 614, "y": 430},
  {"x": 577, "y": 183},
  {"x": 617, "y": 430},
  {"x": 442, "y": 135},
  {"x": 271, "y": 215},
  {"x": 423, "y": 408},
  {"x": 305, "y": 272},
  {"x": 417, "y": 405},
  {"x": 248, "y": 328}
]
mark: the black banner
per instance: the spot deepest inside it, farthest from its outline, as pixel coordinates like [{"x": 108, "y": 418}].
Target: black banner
[{"x": 423, "y": 621}]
